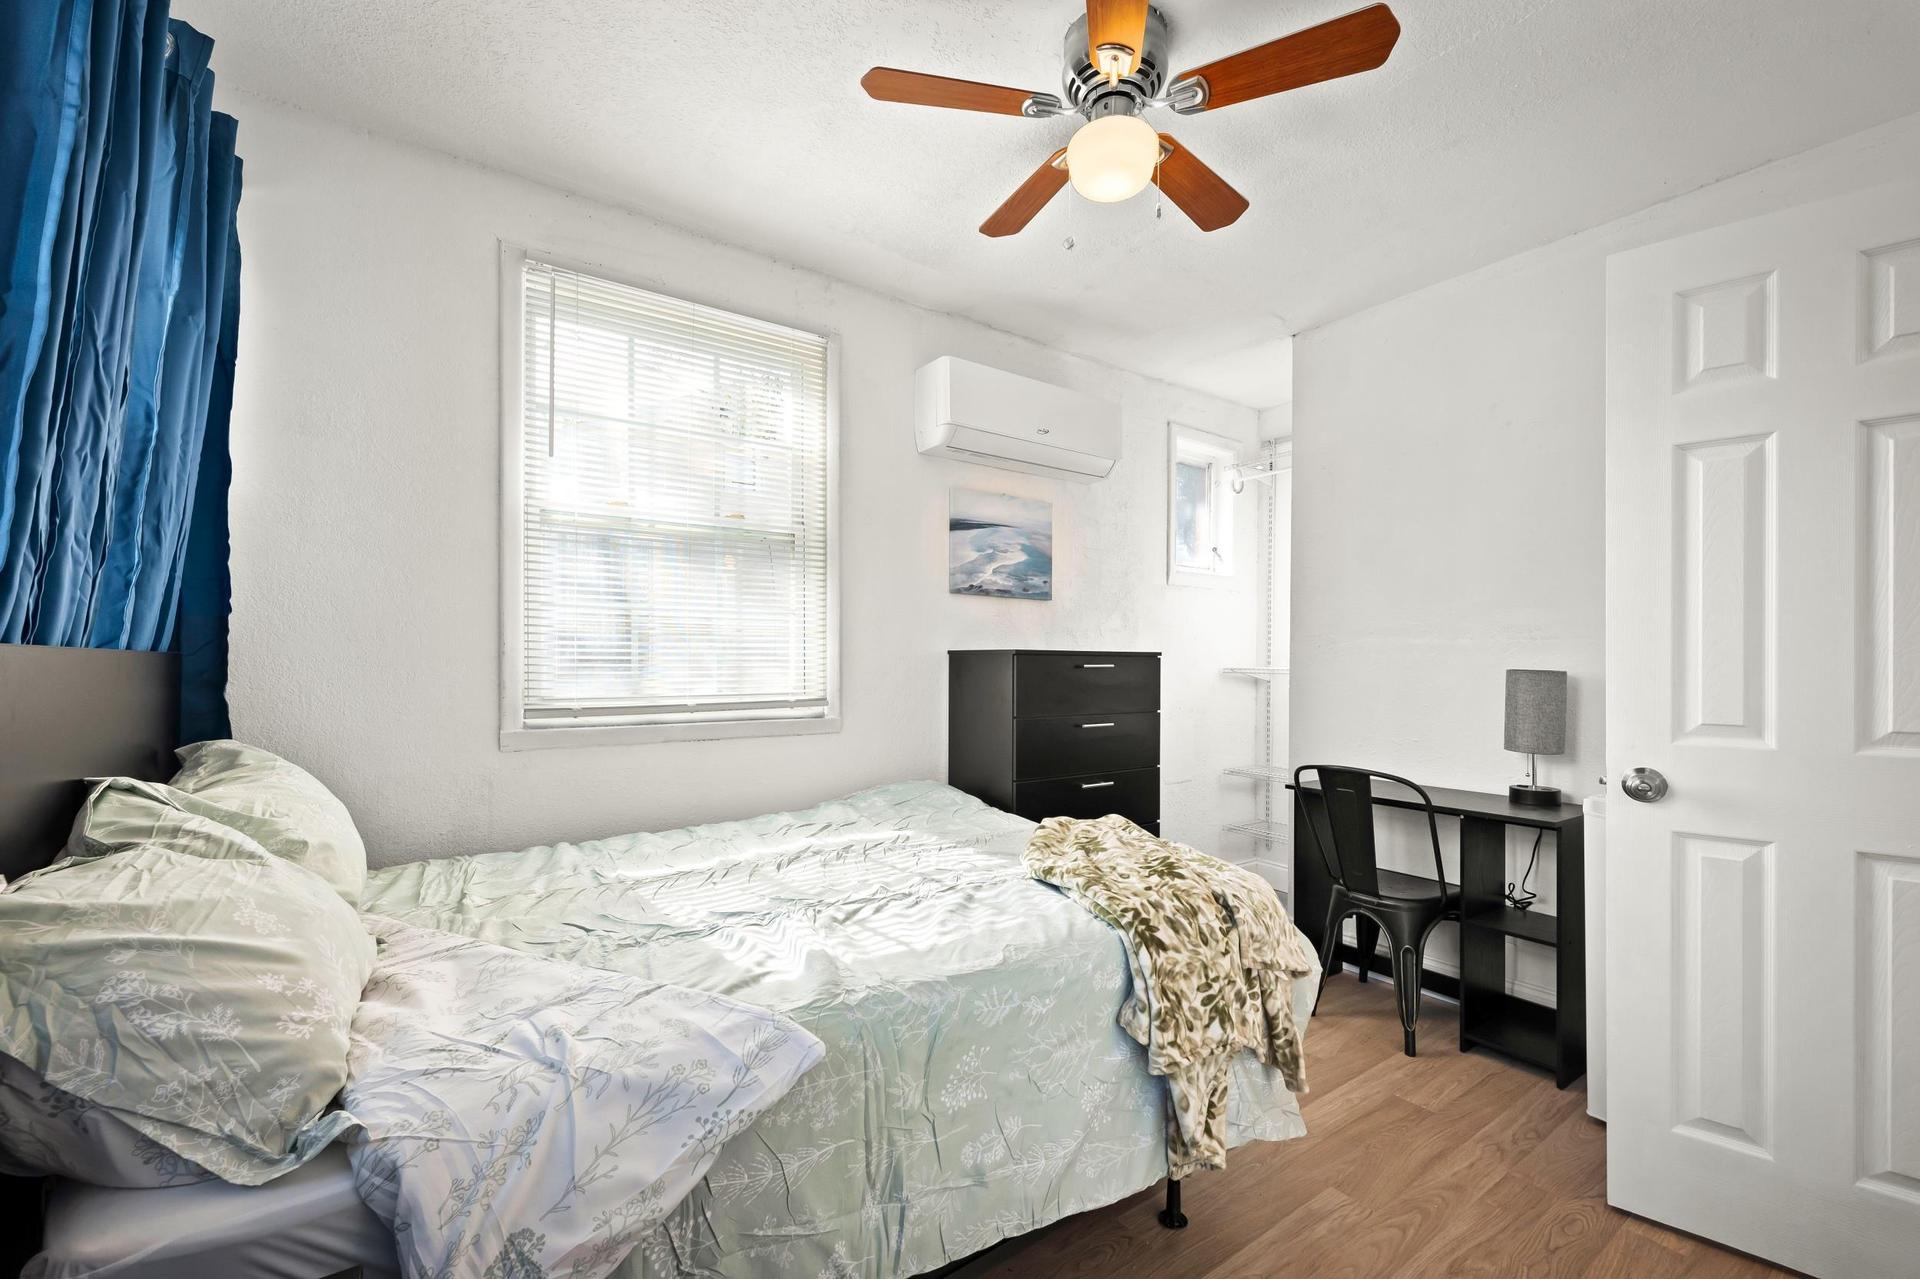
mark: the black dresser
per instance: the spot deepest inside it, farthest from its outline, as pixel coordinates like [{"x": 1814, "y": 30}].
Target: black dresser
[{"x": 1046, "y": 733}]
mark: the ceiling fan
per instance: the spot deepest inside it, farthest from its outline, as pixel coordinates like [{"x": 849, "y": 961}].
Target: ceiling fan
[{"x": 1116, "y": 69}]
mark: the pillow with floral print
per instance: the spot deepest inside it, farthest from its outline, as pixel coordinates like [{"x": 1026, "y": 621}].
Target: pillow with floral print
[
  {"x": 224, "y": 784},
  {"x": 46, "y": 1132},
  {"x": 204, "y": 1000},
  {"x": 123, "y": 812},
  {"x": 278, "y": 803}
]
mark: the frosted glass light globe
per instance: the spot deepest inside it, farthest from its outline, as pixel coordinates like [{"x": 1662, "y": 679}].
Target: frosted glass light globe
[{"x": 1111, "y": 159}]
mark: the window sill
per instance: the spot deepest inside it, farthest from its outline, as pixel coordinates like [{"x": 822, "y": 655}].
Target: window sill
[
  {"x": 1194, "y": 577},
  {"x": 579, "y": 735}
]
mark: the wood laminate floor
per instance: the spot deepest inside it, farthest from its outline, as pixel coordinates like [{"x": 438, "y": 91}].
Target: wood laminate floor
[{"x": 1450, "y": 1163}]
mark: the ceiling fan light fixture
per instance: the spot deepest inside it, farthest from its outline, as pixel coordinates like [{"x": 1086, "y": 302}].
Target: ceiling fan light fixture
[{"x": 1111, "y": 158}]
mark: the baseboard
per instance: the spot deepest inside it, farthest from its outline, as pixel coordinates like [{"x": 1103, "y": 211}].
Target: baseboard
[{"x": 1434, "y": 982}]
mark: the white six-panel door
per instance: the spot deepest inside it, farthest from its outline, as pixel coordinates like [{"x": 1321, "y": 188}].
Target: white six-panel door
[{"x": 1763, "y": 655}]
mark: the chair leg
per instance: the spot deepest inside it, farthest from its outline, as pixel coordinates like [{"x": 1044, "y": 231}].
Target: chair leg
[
  {"x": 1329, "y": 946},
  {"x": 1407, "y": 967},
  {"x": 1366, "y": 935}
]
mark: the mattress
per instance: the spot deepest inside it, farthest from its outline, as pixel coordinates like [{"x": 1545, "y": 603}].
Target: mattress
[
  {"x": 976, "y": 1084},
  {"x": 305, "y": 1225}
]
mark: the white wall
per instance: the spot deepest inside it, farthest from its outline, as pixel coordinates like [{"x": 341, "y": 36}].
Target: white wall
[
  {"x": 1449, "y": 504},
  {"x": 366, "y": 517}
]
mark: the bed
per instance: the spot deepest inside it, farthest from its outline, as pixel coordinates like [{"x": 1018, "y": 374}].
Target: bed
[{"x": 976, "y": 1085}]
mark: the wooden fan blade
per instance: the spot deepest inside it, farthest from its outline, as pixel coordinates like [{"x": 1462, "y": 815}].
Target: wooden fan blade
[
  {"x": 1345, "y": 46},
  {"x": 1022, "y": 205},
  {"x": 1200, "y": 192},
  {"x": 891, "y": 85},
  {"x": 1116, "y": 22}
]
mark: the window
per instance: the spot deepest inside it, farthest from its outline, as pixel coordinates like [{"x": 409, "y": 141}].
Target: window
[
  {"x": 1193, "y": 546},
  {"x": 1199, "y": 507},
  {"x": 668, "y": 508}
]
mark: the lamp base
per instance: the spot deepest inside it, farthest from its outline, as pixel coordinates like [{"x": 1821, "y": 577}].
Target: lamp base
[{"x": 1533, "y": 796}]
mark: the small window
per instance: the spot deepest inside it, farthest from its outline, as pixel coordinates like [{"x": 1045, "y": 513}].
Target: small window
[
  {"x": 668, "y": 517},
  {"x": 1200, "y": 501}
]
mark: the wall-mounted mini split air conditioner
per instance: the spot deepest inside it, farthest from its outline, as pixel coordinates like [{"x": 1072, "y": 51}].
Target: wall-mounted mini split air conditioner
[{"x": 979, "y": 414}]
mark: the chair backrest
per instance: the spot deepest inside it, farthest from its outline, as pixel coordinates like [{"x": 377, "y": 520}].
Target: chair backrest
[{"x": 1338, "y": 804}]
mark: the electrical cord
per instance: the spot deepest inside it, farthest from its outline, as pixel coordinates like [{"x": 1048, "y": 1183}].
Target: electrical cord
[{"x": 1517, "y": 895}]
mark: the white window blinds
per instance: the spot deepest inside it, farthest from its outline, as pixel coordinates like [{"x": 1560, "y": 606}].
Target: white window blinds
[{"x": 674, "y": 535}]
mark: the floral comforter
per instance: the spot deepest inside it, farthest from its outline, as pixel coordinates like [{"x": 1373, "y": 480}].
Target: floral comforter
[{"x": 976, "y": 1083}]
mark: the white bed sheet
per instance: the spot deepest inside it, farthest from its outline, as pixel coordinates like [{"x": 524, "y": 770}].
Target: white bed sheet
[{"x": 305, "y": 1225}]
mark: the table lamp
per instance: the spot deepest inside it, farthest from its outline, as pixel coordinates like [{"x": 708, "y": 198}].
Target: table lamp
[{"x": 1536, "y": 725}]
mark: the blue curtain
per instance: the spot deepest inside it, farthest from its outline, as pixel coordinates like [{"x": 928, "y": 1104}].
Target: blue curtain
[{"x": 118, "y": 313}]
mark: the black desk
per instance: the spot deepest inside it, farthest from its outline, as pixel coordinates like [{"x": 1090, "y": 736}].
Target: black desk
[{"x": 1553, "y": 1038}]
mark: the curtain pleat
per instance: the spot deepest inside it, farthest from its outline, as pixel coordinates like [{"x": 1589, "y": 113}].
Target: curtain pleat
[
  {"x": 158, "y": 280},
  {"x": 90, "y": 388},
  {"x": 186, "y": 374},
  {"x": 42, "y": 108},
  {"x": 44, "y": 146},
  {"x": 117, "y": 311},
  {"x": 206, "y": 587}
]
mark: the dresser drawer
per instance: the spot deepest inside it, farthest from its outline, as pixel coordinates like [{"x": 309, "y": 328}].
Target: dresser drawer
[
  {"x": 1071, "y": 745},
  {"x": 1079, "y": 683},
  {"x": 1132, "y": 793}
]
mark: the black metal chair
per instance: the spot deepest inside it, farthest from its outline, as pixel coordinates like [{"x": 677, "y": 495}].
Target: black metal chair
[{"x": 1338, "y": 805}]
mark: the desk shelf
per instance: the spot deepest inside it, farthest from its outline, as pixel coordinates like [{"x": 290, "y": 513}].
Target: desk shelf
[
  {"x": 1553, "y": 1038},
  {"x": 1512, "y": 1026},
  {"x": 1527, "y": 925}
]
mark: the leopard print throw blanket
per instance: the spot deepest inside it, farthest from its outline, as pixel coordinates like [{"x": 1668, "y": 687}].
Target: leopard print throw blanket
[{"x": 1213, "y": 955}]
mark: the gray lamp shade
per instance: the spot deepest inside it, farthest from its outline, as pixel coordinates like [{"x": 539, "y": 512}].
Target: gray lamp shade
[{"x": 1537, "y": 712}]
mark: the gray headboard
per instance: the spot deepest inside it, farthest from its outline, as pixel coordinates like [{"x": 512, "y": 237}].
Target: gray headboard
[{"x": 68, "y": 714}]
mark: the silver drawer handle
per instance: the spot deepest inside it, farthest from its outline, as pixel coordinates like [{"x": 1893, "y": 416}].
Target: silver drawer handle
[
  {"x": 1096, "y": 666},
  {"x": 1095, "y": 785},
  {"x": 1108, "y": 724}
]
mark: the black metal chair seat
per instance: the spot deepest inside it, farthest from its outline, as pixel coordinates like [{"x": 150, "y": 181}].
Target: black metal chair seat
[
  {"x": 1338, "y": 805},
  {"x": 1393, "y": 884}
]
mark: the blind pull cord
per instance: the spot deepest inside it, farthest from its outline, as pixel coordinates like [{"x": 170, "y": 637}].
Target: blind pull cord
[{"x": 553, "y": 374}]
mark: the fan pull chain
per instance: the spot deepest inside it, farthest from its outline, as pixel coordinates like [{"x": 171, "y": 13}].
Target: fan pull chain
[
  {"x": 1159, "y": 192},
  {"x": 1069, "y": 240}
]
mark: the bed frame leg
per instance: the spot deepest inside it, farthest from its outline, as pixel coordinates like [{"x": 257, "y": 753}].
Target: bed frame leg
[{"x": 1171, "y": 1217}]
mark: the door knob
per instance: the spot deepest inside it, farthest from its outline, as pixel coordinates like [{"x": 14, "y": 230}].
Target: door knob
[{"x": 1645, "y": 785}]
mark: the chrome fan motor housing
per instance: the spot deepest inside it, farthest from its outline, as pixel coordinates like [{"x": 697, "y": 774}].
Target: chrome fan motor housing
[
  {"x": 1085, "y": 91},
  {"x": 1089, "y": 93}
]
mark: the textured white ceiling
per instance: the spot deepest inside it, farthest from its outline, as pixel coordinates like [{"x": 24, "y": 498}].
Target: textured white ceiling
[{"x": 1496, "y": 126}]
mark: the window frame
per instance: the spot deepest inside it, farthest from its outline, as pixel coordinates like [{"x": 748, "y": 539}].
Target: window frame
[
  {"x": 516, "y": 733},
  {"x": 1192, "y": 445}
]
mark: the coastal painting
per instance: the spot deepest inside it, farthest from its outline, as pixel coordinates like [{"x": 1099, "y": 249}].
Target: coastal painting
[{"x": 999, "y": 545}]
